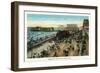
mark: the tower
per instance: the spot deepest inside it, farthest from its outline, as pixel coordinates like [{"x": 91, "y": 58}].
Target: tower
[{"x": 86, "y": 24}]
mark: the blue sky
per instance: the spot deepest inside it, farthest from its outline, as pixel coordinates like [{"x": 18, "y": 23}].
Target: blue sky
[
  {"x": 43, "y": 17},
  {"x": 54, "y": 20}
]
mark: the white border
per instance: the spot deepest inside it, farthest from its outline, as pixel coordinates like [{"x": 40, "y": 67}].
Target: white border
[
  {"x": 56, "y": 62},
  {"x": 51, "y": 13}
]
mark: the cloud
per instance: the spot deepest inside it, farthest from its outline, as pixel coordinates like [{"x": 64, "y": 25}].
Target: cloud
[{"x": 52, "y": 23}]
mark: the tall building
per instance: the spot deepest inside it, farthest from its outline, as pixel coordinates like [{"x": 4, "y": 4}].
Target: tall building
[
  {"x": 86, "y": 24},
  {"x": 61, "y": 27},
  {"x": 72, "y": 27}
]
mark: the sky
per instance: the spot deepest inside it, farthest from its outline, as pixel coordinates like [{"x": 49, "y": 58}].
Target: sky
[{"x": 45, "y": 20}]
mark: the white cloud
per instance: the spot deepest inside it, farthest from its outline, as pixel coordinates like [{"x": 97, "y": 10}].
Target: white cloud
[{"x": 52, "y": 23}]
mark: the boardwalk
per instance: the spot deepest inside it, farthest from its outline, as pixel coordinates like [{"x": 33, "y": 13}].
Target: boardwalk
[{"x": 39, "y": 43}]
